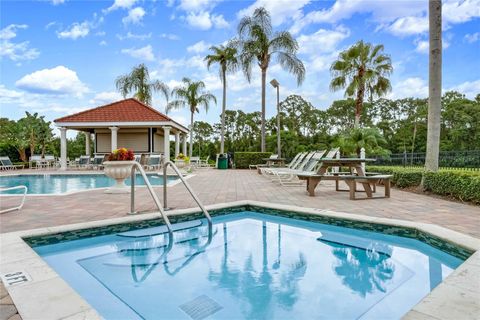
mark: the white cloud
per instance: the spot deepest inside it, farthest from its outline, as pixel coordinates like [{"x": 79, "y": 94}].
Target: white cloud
[
  {"x": 199, "y": 47},
  {"x": 103, "y": 43},
  {"x": 411, "y": 87},
  {"x": 145, "y": 53},
  {"x": 55, "y": 2},
  {"x": 169, "y": 36},
  {"x": 280, "y": 10},
  {"x": 105, "y": 97},
  {"x": 204, "y": 20},
  {"x": 15, "y": 51},
  {"x": 322, "y": 40},
  {"x": 134, "y": 16},
  {"x": 76, "y": 30},
  {"x": 469, "y": 88},
  {"x": 58, "y": 80},
  {"x": 197, "y": 5},
  {"x": 130, "y": 35},
  {"x": 472, "y": 37},
  {"x": 408, "y": 26},
  {"x": 121, "y": 4}
]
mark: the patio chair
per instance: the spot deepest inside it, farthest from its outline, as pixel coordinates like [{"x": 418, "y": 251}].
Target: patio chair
[
  {"x": 204, "y": 163},
  {"x": 256, "y": 166},
  {"x": 291, "y": 165},
  {"x": 195, "y": 161},
  {"x": 49, "y": 160},
  {"x": 37, "y": 160},
  {"x": 84, "y": 162},
  {"x": 6, "y": 164},
  {"x": 273, "y": 173},
  {"x": 290, "y": 178},
  {"x": 97, "y": 162},
  {"x": 154, "y": 162}
]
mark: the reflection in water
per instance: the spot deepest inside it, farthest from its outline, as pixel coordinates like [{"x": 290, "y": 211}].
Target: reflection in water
[
  {"x": 363, "y": 271},
  {"x": 261, "y": 292}
]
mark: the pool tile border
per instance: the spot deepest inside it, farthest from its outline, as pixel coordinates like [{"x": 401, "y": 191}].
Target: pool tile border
[{"x": 458, "y": 294}]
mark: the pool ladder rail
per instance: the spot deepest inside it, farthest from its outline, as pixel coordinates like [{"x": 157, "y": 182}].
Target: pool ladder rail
[
  {"x": 25, "y": 190},
  {"x": 161, "y": 210}
]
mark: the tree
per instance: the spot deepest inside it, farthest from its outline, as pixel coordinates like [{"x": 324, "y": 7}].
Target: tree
[
  {"x": 138, "y": 82},
  {"x": 369, "y": 138},
  {"x": 226, "y": 57},
  {"x": 362, "y": 70},
  {"x": 258, "y": 44},
  {"x": 191, "y": 94},
  {"x": 434, "y": 84},
  {"x": 203, "y": 132}
]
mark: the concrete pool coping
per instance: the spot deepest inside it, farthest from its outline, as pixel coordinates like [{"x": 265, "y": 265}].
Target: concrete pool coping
[
  {"x": 47, "y": 296},
  {"x": 169, "y": 184}
]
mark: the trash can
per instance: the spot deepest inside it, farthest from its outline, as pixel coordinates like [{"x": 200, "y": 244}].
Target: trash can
[{"x": 222, "y": 161}]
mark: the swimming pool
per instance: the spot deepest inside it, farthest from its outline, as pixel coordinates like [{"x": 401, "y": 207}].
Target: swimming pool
[
  {"x": 251, "y": 266},
  {"x": 66, "y": 183}
]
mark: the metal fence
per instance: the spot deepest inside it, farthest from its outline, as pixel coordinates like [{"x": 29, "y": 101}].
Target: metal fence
[{"x": 447, "y": 159}]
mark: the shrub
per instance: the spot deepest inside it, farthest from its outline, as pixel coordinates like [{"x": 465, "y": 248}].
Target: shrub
[
  {"x": 244, "y": 159},
  {"x": 464, "y": 186},
  {"x": 402, "y": 177}
]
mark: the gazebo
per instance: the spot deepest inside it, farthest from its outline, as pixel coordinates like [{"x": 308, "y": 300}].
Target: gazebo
[{"x": 127, "y": 123}]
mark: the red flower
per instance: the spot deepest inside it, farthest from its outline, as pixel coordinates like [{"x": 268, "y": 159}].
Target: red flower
[{"x": 121, "y": 154}]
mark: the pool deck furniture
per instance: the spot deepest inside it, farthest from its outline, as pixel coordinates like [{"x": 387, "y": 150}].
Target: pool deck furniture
[
  {"x": 369, "y": 183},
  {"x": 352, "y": 163},
  {"x": 16, "y": 207},
  {"x": 6, "y": 164},
  {"x": 256, "y": 166},
  {"x": 275, "y": 162}
]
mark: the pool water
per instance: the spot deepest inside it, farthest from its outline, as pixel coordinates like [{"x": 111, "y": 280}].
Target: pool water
[
  {"x": 58, "y": 183},
  {"x": 253, "y": 266}
]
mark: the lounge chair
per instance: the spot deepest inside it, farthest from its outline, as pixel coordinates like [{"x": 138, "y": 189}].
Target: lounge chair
[
  {"x": 256, "y": 166},
  {"x": 6, "y": 164},
  {"x": 292, "y": 165},
  {"x": 273, "y": 173},
  {"x": 289, "y": 178},
  {"x": 49, "y": 160},
  {"x": 195, "y": 161},
  {"x": 154, "y": 162},
  {"x": 84, "y": 162},
  {"x": 97, "y": 162},
  {"x": 37, "y": 160},
  {"x": 204, "y": 163}
]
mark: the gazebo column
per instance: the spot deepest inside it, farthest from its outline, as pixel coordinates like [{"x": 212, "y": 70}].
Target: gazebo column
[
  {"x": 63, "y": 148},
  {"x": 114, "y": 131},
  {"x": 184, "y": 144},
  {"x": 177, "y": 143},
  {"x": 166, "y": 143},
  {"x": 87, "y": 143}
]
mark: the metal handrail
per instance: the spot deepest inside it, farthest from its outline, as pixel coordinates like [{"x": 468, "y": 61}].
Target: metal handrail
[
  {"x": 135, "y": 166},
  {"x": 25, "y": 189},
  {"x": 187, "y": 186}
]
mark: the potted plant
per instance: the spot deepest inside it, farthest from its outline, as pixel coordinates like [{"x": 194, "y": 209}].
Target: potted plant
[
  {"x": 119, "y": 167},
  {"x": 181, "y": 160}
]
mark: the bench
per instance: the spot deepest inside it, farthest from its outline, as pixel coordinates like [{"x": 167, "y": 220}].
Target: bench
[{"x": 367, "y": 182}]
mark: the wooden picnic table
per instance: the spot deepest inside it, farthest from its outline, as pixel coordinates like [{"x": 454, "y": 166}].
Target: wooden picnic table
[
  {"x": 352, "y": 163},
  {"x": 277, "y": 162}
]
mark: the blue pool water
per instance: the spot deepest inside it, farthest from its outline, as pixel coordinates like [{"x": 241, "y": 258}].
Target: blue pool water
[
  {"x": 254, "y": 266},
  {"x": 58, "y": 183}
]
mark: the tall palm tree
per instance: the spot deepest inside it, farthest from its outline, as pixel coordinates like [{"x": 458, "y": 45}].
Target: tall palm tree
[
  {"x": 259, "y": 45},
  {"x": 434, "y": 85},
  {"x": 362, "y": 70},
  {"x": 138, "y": 82},
  {"x": 191, "y": 94},
  {"x": 226, "y": 57}
]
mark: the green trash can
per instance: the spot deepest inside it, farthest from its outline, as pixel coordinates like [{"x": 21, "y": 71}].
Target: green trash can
[{"x": 222, "y": 161}]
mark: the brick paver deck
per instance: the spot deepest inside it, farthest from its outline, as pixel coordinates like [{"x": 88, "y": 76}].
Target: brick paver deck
[{"x": 216, "y": 186}]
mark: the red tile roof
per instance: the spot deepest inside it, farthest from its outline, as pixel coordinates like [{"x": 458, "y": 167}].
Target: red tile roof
[{"x": 128, "y": 110}]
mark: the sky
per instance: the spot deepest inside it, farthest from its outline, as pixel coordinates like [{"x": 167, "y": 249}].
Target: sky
[{"x": 59, "y": 57}]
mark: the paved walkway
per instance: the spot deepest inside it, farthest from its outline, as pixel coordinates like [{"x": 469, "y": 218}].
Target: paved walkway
[{"x": 216, "y": 186}]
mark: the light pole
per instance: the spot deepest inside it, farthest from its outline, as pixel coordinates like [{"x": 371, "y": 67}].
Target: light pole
[{"x": 275, "y": 84}]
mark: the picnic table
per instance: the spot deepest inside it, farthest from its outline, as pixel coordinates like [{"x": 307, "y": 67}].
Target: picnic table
[
  {"x": 352, "y": 163},
  {"x": 275, "y": 162}
]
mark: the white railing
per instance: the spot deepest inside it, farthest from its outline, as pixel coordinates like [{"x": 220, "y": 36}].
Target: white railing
[{"x": 25, "y": 189}]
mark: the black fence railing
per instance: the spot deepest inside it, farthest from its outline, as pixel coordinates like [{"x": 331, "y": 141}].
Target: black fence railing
[{"x": 447, "y": 159}]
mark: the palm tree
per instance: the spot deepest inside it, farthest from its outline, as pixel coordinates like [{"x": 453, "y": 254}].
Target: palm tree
[
  {"x": 362, "y": 70},
  {"x": 191, "y": 94},
  {"x": 138, "y": 81},
  {"x": 226, "y": 57},
  {"x": 258, "y": 44},
  {"x": 434, "y": 85}
]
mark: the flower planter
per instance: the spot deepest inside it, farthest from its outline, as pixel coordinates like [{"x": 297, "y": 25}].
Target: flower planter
[
  {"x": 118, "y": 170},
  {"x": 180, "y": 163}
]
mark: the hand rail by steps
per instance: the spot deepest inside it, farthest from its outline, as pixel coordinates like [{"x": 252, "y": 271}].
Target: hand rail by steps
[
  {"x": 187, "y": 186},
  {"x": 25, "y": 189},
  {"x": 135, "y": 166}
]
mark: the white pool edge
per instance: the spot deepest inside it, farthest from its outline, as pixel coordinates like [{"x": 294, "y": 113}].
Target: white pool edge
[{"x": 48, "y": 296}]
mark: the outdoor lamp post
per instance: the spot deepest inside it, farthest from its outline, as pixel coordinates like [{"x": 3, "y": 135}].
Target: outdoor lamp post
[{"x": 275, "y": 84}]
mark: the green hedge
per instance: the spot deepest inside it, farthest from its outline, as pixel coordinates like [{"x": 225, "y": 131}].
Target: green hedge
[
  {"x": 459, "y": 185},
  {"x": 244, "y": 159},
  {"x": 402, "y": 177}
]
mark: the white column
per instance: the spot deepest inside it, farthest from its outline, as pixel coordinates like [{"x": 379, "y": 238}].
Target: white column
[
  {"x": 177, "y": 143},
  {"x": 63, "y": 148},
  {"x": 184, "y": 144},
  {"x": 114, "y": 131},
  {"x": 166, "y": 143},
  {"x": 362, "y": 156},
  {"x": 87, "y": 143}
]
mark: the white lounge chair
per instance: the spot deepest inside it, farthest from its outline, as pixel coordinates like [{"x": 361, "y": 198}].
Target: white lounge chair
[
  {"x": 273, "y": 173},
  {"x": 154, "y": 162},
  {"x": 6, "y": 164},
  {"x": 292, "y": 165}
]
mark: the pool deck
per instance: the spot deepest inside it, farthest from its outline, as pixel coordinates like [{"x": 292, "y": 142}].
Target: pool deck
[
  {"x": 220, "y": 186},
  {"x": 457, "y": 297}
]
